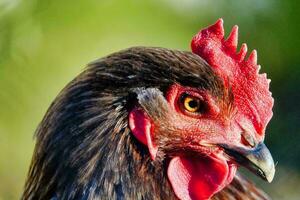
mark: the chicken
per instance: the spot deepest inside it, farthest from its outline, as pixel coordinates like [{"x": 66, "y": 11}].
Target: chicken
[{"x": 153, "y": 123}]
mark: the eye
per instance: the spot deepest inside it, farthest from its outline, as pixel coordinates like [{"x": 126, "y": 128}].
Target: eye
[{"x": 192, "y": 104}]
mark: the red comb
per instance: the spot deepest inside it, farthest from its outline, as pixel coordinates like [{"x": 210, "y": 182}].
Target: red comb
[{"x": 252, "y": 97}]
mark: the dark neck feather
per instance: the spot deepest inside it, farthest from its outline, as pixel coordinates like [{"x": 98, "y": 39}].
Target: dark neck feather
[{"x": 90, "y": 159}]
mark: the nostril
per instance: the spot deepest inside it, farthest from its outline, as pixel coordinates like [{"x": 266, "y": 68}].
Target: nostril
[{"x": 247, "y": 140}]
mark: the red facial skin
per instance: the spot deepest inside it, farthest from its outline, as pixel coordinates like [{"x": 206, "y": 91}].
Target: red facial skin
[
  {"x": 201, "y": 177},
  {"x": 193, "y": 177},
  {"x": 213, "y": 125}
]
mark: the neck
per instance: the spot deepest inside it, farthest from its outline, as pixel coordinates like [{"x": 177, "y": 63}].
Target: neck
[
  {"x": 125, "y": 170},
  {"x": 130, "y": 173}
]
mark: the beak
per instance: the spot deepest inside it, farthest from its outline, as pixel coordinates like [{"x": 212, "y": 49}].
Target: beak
[{"x": 258, "y": 159}]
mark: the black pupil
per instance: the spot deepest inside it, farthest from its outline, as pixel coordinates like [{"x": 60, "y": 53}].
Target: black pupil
[{"x": 193, "y": 104}]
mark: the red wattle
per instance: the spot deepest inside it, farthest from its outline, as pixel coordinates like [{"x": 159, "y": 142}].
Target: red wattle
[{"x": 199, "y": 178}]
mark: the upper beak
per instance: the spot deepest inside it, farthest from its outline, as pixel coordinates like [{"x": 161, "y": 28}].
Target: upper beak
[{"x": 258, "y": 159}]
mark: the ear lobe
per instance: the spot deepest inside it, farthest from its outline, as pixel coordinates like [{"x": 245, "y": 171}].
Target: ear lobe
[{"x": 141, "y": 127}]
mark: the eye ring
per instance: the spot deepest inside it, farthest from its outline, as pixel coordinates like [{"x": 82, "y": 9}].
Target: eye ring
[{"x": 191, "y": 104}]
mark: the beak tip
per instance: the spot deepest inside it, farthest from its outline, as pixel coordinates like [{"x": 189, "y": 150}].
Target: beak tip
[
  {"x": 270, "y": 180},
  {"x": 270, "y": 175}
]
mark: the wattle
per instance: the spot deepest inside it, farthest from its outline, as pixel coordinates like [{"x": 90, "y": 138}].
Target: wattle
[{"x": 199, "y": 178}]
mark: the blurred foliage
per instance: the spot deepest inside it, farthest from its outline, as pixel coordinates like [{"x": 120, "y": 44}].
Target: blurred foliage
[{"x": 45, "y": 43}]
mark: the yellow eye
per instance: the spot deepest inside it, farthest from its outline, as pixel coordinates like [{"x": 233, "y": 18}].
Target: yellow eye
[{"x": 191, "y": 104}]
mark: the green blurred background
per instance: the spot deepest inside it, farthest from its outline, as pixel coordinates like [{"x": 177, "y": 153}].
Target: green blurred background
[{"x": 45, "y": 43}]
